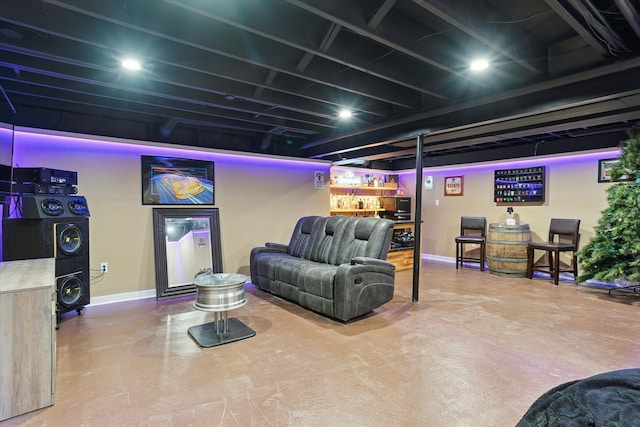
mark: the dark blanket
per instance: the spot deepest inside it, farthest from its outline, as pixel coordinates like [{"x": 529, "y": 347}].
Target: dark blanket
[{"x": 609, "y": 399}]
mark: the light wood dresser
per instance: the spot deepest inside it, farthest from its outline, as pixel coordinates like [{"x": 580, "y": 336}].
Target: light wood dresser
[{"x": 27, "y": 336}]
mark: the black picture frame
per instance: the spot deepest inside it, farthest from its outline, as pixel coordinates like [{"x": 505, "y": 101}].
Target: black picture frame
[
  {"x": 177, "y": 181},
  {"x": 604, "y": 171},
  {"x": 162, "y": 219}
]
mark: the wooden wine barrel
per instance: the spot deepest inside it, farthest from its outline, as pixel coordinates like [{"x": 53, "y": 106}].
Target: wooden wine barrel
[{"x": 507, "y": 249}]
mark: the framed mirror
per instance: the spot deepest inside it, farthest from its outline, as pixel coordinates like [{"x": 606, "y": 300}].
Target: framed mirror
[{"x": 186, "y": 240}]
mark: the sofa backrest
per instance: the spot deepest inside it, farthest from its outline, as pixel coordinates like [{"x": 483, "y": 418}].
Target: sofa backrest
[
  {"x": 325, "y": 239},
  {"x": 368, "y": 237},
  {"x": 301, "y": 236}
]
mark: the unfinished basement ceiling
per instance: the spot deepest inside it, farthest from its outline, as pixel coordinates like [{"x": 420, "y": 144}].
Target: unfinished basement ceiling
[{"x": 270, "y": 76}]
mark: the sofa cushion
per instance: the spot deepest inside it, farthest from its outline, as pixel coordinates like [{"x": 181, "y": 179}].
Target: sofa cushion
[
  {"x": 301, "y": 236},
  {"x": 288, "y": 269},
  {"x": 325, "y": 239},
  {"x": 317, "y": 303},
  {"x": 365, "y": 237},
  {"x": 278, "y": 273},
  {"x": 264, "y": 265},
  {"x": 317, "y": 279}
]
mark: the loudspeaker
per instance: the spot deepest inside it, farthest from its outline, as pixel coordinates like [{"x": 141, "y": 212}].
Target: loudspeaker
[
  {"x": 73, "y": 291},
  {"x": 66, "y": 240},
  {"x": 53, "y": 206}
]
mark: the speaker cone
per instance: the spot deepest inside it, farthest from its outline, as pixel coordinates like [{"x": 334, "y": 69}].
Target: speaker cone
[
  {"x": 70, "y": 239},
  {"x": 78, "y": 206},
  {"x": 53, "y": 207},
  {"x": 70, "y": 291}
]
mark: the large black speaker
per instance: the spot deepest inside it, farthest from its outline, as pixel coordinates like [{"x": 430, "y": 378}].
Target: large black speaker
[
  {"x": 53, "y": 206},
  {"x": 66, "y": 240}
]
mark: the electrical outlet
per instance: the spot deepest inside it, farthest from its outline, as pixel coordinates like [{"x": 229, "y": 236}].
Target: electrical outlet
[{"x": 104, "y": 267}]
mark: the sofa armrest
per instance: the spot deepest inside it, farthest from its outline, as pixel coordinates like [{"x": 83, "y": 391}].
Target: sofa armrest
[
  {"x": 277, "y": 247},
  {"x": 361, "y": 260},
  {"x": 361, "y": 286},
  {"x": 268, "y": 248}
]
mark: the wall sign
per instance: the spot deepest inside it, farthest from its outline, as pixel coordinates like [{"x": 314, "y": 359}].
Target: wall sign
[
  {"x": 428, "y": 183},
  {"x": 454, "y": 185},
  {"x": 318, "y": 180}
]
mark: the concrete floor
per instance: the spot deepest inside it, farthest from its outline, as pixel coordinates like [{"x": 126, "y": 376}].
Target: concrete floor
[{"x": 476, "y": 350}]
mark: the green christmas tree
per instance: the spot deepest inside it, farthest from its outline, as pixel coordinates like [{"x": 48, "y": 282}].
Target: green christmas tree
[{"x": 614, "y": 252}]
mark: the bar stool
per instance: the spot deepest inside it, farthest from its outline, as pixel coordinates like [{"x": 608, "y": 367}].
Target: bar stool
[
  {"x": 564, "y": 236},
  {"x": 473, "y": 230}
]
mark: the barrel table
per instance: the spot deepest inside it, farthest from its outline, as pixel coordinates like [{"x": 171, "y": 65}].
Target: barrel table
[
  {"x": 219, "y": 293},
  {"x": 507, "y": 249}
]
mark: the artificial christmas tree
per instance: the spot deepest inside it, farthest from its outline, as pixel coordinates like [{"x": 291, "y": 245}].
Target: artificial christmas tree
[{"x": 613, "y": 254}]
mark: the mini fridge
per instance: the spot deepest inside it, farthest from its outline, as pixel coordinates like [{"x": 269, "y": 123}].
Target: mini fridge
[{"x": 396, "y": 208}]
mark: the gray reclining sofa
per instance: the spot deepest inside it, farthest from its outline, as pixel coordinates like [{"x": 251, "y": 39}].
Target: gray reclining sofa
[{"x": 335, "y": 266}]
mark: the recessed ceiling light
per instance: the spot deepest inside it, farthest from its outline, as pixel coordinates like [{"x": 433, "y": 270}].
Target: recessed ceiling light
[
  {"x": 479, "y": 64},
  {"x": 345, "y": 114},
  {"x": 131, "y": 64}
]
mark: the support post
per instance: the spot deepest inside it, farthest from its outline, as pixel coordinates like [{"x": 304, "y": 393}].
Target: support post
[{"x": 417, "y": 227}]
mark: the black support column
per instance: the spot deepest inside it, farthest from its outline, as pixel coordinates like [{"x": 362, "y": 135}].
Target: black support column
[{"x": 417, "y": 228}]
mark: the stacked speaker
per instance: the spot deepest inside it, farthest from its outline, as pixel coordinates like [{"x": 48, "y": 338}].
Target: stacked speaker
[{"x": 53, "y": 226}]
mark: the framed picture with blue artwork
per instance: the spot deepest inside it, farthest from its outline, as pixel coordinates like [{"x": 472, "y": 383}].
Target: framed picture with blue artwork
[{"x": 177, "y": 181}]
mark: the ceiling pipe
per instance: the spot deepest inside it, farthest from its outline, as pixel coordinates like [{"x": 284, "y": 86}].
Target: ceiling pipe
[
  {"x": 630, "y": 14},
  {"x": 6, "y": 97}
]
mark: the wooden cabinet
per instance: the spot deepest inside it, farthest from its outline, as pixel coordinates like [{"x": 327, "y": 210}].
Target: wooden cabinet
[
  {"x": 27, "y": 336},
  {"x": 401, "y": 258},
  {"x": 401, "y": 252}
]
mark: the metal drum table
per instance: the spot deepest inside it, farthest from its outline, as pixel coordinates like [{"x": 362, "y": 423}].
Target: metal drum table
[{"x": 219, "y": 293}]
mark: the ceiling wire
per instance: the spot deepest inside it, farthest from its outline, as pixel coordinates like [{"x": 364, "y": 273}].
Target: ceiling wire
[
  {"x": 433, "y": 34},
  {"x": 535, "y": 149},
  {"x": 384, "y": 55},
  {"x": 519, "y": 21},
  {"x": 601, "y": 30}
]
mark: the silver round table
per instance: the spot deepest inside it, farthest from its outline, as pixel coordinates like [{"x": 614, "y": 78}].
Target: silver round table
[{"x": 219, "y": 293}]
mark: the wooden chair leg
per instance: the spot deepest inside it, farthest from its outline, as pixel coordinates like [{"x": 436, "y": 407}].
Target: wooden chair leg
[
  {"x": 556, "y": 267},
  {"x": 482, "y": 257},
  {"x": 530, "y": 252},
  {"x": 457, "y": 254}
]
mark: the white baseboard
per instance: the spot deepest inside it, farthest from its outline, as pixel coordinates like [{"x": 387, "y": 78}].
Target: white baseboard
[
  {"x": 151, "y": 293},
  {"x": 129, "y": 296},
  {"x": 440, "y": 258},
  {"x": 125, "y": 296},
  {"x": 568, "y": 276}
]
